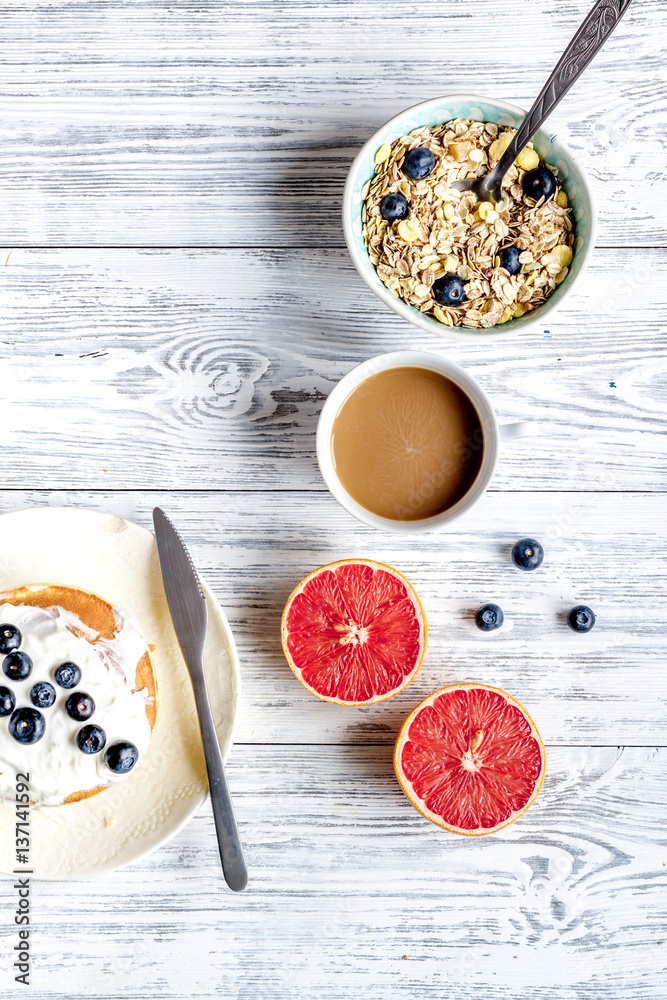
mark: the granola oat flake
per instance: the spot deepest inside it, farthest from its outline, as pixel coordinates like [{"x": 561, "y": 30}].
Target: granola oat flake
[{"x": 465, "y": 262}]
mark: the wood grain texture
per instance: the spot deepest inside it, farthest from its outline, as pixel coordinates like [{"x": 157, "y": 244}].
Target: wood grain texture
[
  {"x": 210, "y": 123},
  {"x": 606, "y": 550},
  {"x": 193, "y": 379},
  {"x": 208, "y": 369},
  {"x": 352, "y": 891}
]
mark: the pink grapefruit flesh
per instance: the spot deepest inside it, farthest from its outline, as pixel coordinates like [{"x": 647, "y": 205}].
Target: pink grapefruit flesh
[
  {"x": 470, "y": 759},
  {"x": 354, "y": 632}
]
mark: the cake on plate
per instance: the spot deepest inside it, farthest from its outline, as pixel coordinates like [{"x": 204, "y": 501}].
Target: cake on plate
[{"x": 78, "y": 693}]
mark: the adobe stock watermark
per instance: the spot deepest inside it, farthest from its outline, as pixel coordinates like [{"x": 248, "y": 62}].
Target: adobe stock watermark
[{"x": 21, "y": 950}]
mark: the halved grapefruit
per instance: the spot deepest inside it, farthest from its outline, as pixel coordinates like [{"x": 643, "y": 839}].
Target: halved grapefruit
[
  {"x": 470, "y": 759},
  {"x": 354, "y": 632}
]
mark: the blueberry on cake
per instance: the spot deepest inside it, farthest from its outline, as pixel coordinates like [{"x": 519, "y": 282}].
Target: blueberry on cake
[{"x": 78, "y": 693}]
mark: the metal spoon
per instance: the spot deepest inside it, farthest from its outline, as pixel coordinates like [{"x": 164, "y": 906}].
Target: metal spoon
[{"x": 590, "y": 37}]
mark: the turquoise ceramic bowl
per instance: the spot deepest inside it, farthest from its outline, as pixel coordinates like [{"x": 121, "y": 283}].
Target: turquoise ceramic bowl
[{"x": 435, "y": 112}]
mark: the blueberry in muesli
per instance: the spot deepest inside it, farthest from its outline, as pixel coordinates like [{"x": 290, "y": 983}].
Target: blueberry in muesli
[
  {"x": 539, "y": 183},
  {"x": 79, "y": 706},
  {"x": 449, "y": 290},
  {"x": 418, "y": 163},
  {"x": 10, "y": 638},
  {"x": 393, "y": 207},
  {"x": 91, "y": 739},
  {"x": 67, "y": 674},
  {"x": 509, "y": 259},
  {"x": 7, "y": 701},
  {"x": 121, "y": 757},
  {"x": 17, "y": 666},
  {"x": 27, "y": 725},
  {"x": 42, "y": 694}
]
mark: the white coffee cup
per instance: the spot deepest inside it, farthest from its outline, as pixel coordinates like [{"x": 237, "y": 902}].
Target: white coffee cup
[{"x": 492, "y": 433}]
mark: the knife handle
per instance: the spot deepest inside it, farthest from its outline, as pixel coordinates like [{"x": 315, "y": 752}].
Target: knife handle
[{"x": 229, "y": 842}]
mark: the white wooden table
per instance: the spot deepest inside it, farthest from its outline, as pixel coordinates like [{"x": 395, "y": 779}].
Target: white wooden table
[{"x": 176, "y": 304}]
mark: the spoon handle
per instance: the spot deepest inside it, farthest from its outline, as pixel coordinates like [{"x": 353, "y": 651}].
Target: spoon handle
[{"x": 591, "y": 36}]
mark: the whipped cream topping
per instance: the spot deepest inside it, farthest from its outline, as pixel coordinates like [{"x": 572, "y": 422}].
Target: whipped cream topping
[{"x": 108, "y": 674}]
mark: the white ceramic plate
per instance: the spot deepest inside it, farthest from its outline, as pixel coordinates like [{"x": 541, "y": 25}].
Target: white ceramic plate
[{"x": 118, "y": 560}]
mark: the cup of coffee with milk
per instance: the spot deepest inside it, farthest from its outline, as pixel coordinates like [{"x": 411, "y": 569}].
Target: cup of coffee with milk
[{"x": 408, "y": 441}]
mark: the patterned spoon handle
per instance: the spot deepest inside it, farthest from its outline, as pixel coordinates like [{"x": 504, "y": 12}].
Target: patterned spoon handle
[{"x": 590, "y": 37}]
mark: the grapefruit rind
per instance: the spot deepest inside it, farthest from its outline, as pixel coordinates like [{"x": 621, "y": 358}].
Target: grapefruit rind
[
  {"x": 420, "y": 805},
  {"x": 419, "y": 613}
]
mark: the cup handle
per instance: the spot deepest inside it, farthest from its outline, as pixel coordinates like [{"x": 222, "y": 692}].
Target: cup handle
[{"x": 524, "y": 429}]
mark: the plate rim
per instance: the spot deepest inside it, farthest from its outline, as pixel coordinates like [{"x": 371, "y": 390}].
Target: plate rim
[{"x": 197, "y": 800}]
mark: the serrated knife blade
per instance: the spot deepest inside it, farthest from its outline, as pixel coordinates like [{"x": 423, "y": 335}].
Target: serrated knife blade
[{"x": 187, "y": 606}]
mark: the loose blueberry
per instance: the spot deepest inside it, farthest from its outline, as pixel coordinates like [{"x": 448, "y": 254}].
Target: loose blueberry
[
  {"x": 489, "y": 617},
  {"x": 79, "y": 706},
  {"x": 10, "y": 638},
  {"x": 27, "y": 725},
  {"x": 539, "y": 183},
  {"x": 91, "y": 739},
  {"x": 394, "y": 206},
  {"x": 418, "y": 163},
  {"x": 42, "y": 694},
  {"x": 7, "y": 701},
  {"x": 581, "y": 618},
  {"x": 17, "y": 666},
  {"x": 67, "y": 675},
  {"x": 527, "y": 554},
  {"x": 121, "y": 757},
  {"x": 449, "y": 291},
  {"x": 509, "y": 259}
]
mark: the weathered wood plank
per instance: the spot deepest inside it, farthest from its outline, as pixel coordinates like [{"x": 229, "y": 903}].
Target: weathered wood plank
[
  {"x": 125, "y": 376},
  {"x": 352, "y": 890},
  {"x": 606, "y": 550},
  {"x": 207, "y": 369},
  {"x": 233, "y": 123}
]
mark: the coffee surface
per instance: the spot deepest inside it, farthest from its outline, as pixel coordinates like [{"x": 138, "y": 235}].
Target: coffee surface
[{"x": 407, "y": 444}]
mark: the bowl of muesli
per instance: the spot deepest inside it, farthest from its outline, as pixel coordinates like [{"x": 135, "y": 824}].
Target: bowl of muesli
[{"x": 451, "y": 265}]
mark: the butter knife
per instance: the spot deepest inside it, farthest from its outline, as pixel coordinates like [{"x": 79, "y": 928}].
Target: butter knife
[{"x": 187, "y": 606}]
